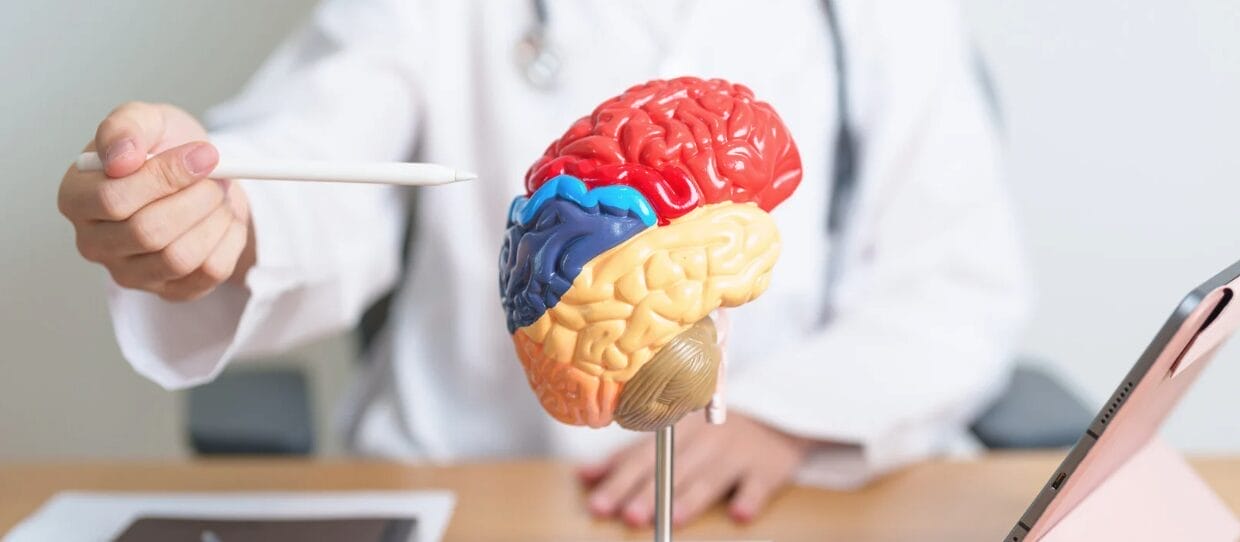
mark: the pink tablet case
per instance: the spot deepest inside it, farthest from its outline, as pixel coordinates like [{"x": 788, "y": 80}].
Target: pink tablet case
[
  {"x": 1131, "y": 486},
  {"x": 1155, "y": 496}
]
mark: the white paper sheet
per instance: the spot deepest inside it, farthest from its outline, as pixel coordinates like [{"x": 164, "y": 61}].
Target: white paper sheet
[{"x": 93, "y": 517}]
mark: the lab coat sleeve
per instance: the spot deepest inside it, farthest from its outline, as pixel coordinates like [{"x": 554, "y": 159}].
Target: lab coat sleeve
[
  {"x": 934, "y": 287},
  {"x": 324, "y": 251}
]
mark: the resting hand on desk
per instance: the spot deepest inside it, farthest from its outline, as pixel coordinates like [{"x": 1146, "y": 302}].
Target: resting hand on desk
[{"x": 711, "y": 461}]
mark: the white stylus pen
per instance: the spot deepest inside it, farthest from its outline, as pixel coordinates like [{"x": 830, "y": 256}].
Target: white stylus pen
[{"x": 401, "y": 173}]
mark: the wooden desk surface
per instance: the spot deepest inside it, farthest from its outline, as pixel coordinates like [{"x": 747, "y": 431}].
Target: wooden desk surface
[{"x": 944, "y": 500}]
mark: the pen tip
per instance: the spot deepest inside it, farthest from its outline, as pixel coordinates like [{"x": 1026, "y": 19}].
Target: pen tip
[{"x": 466, "y": 176}]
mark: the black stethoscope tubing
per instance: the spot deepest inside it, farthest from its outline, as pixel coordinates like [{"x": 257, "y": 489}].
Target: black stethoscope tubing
[
  {"x": 540, "y": 58},
  {"x": 540, "y": 65}
]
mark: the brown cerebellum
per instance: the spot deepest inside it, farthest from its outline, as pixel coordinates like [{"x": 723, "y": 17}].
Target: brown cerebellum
[{"x": 679, "y": 379}]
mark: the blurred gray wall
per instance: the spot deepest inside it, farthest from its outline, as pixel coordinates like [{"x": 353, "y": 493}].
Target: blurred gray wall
[
  {"x": 1123, "y": 123},
  {"x": 64, "y": 388},
  {"x": 1121, "y": 118}
]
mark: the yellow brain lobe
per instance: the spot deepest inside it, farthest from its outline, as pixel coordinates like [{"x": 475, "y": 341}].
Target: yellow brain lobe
[{"x": 628, "y": 302}]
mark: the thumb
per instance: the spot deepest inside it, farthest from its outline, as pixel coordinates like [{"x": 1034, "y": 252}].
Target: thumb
[
  {"x": 174, "y": 169},
  {"x": 127, "y": 134}
]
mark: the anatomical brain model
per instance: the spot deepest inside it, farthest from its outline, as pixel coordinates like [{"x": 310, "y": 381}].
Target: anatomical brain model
[{"x": 642, "y": 219}]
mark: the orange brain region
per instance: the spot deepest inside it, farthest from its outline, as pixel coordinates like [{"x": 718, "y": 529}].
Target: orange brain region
[{"x": 639, "y": 221}]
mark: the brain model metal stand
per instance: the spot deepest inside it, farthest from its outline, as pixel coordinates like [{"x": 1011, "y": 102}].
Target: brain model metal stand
[{"x": 642, "y": 219}]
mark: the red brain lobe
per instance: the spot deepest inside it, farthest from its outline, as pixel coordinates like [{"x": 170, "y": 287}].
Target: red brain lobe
[{"x": 682, "y": 143}]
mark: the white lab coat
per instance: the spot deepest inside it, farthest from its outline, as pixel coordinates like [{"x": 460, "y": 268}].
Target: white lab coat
[{"x": 932, "y": 290}]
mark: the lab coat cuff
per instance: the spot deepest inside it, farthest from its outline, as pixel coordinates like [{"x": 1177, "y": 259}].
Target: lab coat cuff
[
  {"x": 182, "y": 344},
  {"x": 863, "y": 430},
  {"x": 176, "y": 345},
  {"x": 842, "y": 457}
]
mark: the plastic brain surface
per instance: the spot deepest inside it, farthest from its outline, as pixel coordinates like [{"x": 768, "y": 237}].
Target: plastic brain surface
[{"x": 642, "y": 219}]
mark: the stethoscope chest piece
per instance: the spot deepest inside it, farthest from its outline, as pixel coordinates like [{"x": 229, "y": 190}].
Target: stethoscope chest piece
[{"x": 538, "y": 60}]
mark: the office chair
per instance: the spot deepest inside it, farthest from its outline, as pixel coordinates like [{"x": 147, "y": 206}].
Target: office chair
[{"x": 267, "y": 412}]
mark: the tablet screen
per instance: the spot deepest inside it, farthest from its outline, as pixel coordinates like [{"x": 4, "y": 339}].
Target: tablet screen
[{"x": 169, "y": 529}]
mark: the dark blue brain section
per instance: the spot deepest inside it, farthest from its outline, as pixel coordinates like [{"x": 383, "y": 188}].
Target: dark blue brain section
[{"x": 540, "y": 258}]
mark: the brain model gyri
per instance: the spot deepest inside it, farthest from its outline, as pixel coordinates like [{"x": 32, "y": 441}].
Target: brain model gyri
[{"x": 642, "y": 219}]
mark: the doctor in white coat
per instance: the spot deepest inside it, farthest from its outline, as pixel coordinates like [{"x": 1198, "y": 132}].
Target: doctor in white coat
[{"x": 930, "y": 289}]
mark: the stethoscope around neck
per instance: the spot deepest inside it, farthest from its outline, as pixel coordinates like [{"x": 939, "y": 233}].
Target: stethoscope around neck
[{"x": 540, "y": 65}]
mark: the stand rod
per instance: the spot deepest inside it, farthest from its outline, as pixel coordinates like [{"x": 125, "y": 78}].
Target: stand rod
[{"x": 664, "y": 443}]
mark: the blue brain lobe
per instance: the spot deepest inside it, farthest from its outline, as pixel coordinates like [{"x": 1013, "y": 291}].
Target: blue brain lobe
[{"x": 547, "y": 245}]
